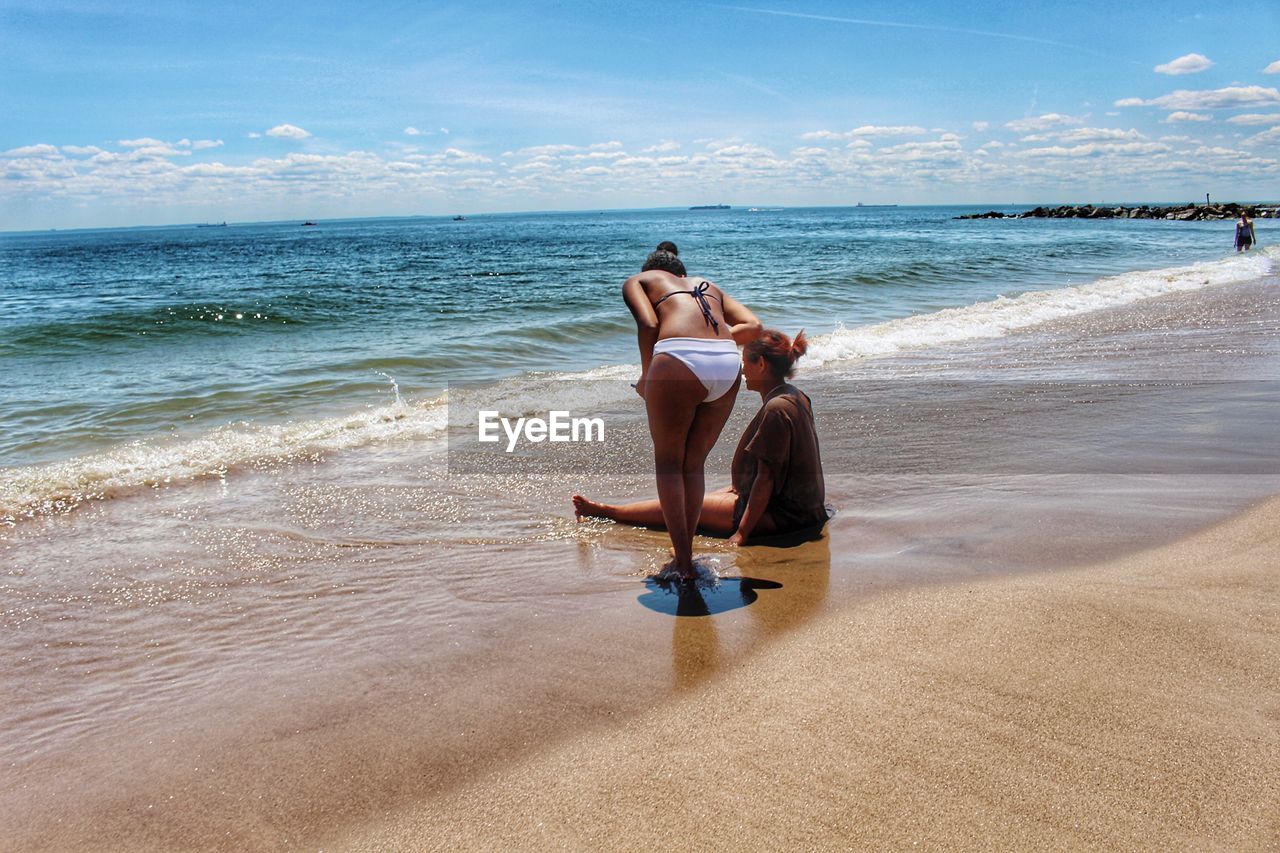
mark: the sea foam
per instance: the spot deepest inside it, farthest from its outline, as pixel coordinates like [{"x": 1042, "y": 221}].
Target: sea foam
[
  {"x": 1005, "y": 315},
  {"x": 60, "y": 486}
]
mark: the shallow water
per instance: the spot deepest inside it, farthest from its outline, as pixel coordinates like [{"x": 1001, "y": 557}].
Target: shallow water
[{"x": 109, "y": 337}]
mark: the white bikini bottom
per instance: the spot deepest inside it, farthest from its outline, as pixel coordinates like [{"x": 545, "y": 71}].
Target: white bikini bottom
[{"x": 715, "y": 361}]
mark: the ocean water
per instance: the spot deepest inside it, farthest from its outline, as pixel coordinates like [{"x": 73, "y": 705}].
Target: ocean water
[
  {"x": 137, "y": 357},
  {"x": 256, "y": 585}
]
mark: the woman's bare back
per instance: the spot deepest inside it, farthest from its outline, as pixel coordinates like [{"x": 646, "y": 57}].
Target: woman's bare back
[{"x": 689, "y": 307}]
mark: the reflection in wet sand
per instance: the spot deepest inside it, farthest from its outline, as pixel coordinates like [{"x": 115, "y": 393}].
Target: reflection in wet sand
[{"x": 779, "y": 588}]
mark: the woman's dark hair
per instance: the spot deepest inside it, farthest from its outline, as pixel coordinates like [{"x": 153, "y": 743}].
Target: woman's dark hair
[
  {"x": 668, "y": 246},
  {"x": 778, "y": 350},
  {"x": 661, "y": 260}
]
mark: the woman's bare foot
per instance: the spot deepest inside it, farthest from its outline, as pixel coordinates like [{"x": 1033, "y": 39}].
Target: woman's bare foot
[
  {"x": 583, "y": 508},
  {"x": 674, "y": 570}
]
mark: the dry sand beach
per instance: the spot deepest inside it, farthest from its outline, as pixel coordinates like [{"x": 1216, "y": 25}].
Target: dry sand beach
[{"x": 1132, "y": 704}]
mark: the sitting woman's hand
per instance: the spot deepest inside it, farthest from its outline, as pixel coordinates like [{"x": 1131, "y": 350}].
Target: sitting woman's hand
[
  {"x": 737, "y": 539},
  {"x": 639, "y": 386}
]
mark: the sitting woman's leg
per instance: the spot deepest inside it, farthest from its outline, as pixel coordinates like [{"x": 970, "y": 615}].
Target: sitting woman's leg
[
  {"x": 637, "y": 513},
  {"x": 716, "y": 517}
]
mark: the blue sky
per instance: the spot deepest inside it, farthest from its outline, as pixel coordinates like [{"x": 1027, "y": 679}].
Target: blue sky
[{"x": 152, "y": 113}]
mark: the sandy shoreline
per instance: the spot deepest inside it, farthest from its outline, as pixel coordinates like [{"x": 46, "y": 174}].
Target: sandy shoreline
[{"x": 1130, "y": 704}]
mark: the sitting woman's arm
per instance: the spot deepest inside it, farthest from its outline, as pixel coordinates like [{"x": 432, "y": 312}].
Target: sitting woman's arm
[
  {"x": 743, "y": 325},
  {"x": 757, "y": 502},
  {"x": 646, "y": 323}
]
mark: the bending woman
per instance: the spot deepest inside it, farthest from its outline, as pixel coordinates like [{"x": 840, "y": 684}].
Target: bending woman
[
  {"x": 688, "y": 331},
  {"x": 777, "y": 485}
]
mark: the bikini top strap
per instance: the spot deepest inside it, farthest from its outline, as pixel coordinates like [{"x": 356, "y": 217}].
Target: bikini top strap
[
  {"x": 702, "y": 288},
  {"x": 698, "y": 292}
]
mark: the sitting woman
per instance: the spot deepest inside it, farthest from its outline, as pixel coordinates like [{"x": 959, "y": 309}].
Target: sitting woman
[{"x": 777, "y": 484}]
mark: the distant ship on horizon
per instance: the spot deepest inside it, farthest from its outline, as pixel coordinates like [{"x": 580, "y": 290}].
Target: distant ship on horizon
[
  {"x": 860, "y": 204},
  {"x": 710, "y": 207},
  {"x": 211, "y": 225}
]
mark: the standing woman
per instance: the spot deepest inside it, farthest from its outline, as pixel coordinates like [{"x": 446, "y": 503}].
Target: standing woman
[
  {"x": 1245, "y": 238},
  {"x": 688, "y": 331}
]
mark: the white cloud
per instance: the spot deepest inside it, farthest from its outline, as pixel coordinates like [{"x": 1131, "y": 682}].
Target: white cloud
[
  {"x": 144, "y": 147},
  {"x": 1266, "y": 137},
  {"x": 155, "y": 177},
  {"x": 288, "y": 131},
  {"x": 543, "y": 150},
  {"x": 412, "y": 131},
  {"x": 867, "y": 130},
  {"x": 41, "y": 150},
  {"x": 1253, "y": 118},
  {"x": 457, "y": 155},
  {"x": 1096, "y": 149},
  {"x": 152, "y": 152},
  {"x": 945, "y": 150},
  {"x": 144, "y": 142},
  {"x": 253, "y": 134},
  {"x": 1216, "y": 151},
  {"x": 1088, "y": 134},
  {"x": 1208, "y": 99},
  {"x": 882, "y": 130},
  {"x": 1044, "y": 122},
  {"x": 1273, "y": 68},
  {"x": 980, "y": 126},
  {"x": 1182, "y": 115},
  {"x": 82, "y": 149},
  {"x": 1192, "y": 63},
  {"x": 220, "y": 170},
  {"x": 739, "y": 151}
]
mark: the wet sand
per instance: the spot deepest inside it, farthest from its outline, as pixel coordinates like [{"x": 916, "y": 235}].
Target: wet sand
[{"x": 1134, "y": 703}]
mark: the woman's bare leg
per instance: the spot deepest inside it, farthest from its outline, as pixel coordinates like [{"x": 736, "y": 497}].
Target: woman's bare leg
[
  {"x": 708, "y": 422},
  {"x": 639, "y": 513},
  {"x": 672, "y": 396},
  {"x": 716, "y": 517}
]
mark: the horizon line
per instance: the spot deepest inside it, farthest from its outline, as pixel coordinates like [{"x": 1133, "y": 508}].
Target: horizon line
[{"x": 563, "y": 211}]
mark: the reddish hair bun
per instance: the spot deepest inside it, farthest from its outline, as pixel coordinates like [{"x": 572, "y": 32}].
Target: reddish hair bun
[{"x": 778, "y": 350}]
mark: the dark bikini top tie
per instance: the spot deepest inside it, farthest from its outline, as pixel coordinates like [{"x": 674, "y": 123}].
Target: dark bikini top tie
[{"x": 699, "y": 293}]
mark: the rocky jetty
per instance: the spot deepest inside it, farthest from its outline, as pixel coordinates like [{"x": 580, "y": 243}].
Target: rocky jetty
[{"x": 1181, "y": 213}]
